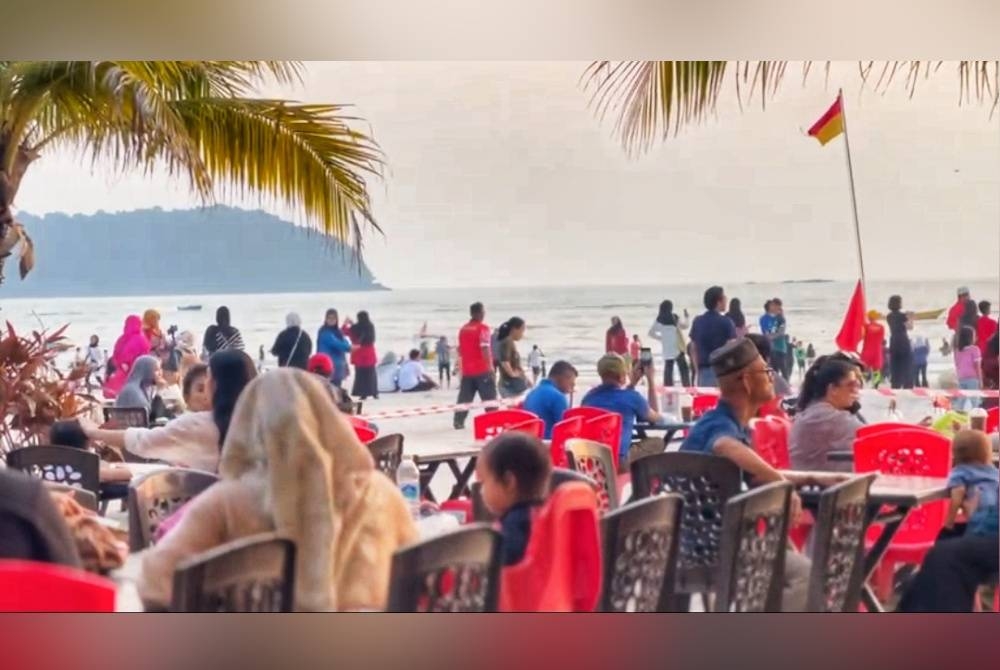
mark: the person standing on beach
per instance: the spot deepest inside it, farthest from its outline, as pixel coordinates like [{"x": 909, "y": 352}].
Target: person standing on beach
[
  {"x": 968, "y": 366},
  {"x": 332, "y": 342},
  {"x": 513, "y": 380},
  {"x": 476, "y": 360},
  {"x": 921, "y": 352},
  {"x": 443, "y": 353},
  {"x": 535, "y": 363},
  {"x": 363, "y": 356},
  {"x": 95, "y": 360},
  {"x": 222, "y": 336},
  {"x": 956, "y": 311},
  {"x": 635, "y": 347},
  {"x": 900, "y": 351},
  {"x": 986, "y": 326},
  {"x": 293, "y": 346},
  {"x": 668, "y": 328},
  {"x": 710, "y": 331},
  {"x": 735, "y": 315},
  {"x": 616, "y": 339},
  {"x": 772, "y": 325}
]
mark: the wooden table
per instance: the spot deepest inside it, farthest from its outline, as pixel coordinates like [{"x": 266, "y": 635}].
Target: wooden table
[
  {"x": 429, "y": 465},
  {"x": 890, "y": 500}
]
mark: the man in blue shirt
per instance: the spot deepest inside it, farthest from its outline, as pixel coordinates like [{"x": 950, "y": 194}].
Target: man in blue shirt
[
  {"x": 745, "y": 384},
  {"x": 710, "y": 331},
  {"x": 613, "y": 395},
  {"x": 548, "y": 400}
]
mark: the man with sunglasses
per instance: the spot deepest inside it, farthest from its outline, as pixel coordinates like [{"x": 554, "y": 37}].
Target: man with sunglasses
[{"x": 745, "y": 385}]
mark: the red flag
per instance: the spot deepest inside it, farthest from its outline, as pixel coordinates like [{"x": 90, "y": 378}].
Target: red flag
[{"x": 852, "y": 331}]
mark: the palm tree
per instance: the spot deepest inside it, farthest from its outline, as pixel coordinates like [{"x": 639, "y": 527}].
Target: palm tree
[
  {"x": 198, "y": 119},
  {"x": 652, "y": 99}
]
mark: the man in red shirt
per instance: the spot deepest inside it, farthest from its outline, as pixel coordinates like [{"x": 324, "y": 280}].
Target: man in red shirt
[
  {"x": 986, "y": 327},
  {"x": 955, "y": 313},
  {"x": 476, "y": 362}
]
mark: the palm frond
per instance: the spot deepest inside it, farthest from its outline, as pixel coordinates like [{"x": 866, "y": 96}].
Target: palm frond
[{"x": 304, "y": 156}]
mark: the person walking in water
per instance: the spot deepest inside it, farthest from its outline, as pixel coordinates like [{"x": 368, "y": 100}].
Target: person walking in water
[
  {"x": 616, "y": 339},
  {"x": 476, "y": 359},
  {"x": 442, "y": 352}
]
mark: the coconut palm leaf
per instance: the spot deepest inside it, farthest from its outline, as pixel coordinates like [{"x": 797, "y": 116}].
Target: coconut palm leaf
[
  {"x": 198, "y": 119},
  {"x": 650, "y": 100}
]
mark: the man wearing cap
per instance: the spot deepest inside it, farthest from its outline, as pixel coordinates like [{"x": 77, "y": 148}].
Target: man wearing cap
[
  {"x": 614, "y": 396},
  {"x": 955, "y": 313},
  {"x": 745, "y": 385}
]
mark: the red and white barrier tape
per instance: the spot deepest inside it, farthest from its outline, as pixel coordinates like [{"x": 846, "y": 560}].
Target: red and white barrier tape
[
  {"x": 884, "y": 392},
  {"x": 442, "y": 409}
]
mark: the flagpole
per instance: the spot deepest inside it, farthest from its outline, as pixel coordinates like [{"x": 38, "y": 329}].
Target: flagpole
[{"x": 854, "y": 197}]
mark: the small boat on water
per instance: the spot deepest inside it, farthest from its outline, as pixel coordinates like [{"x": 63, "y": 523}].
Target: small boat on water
[
  {"x": 926, "y": 315},
  {"x": 189, "y": 308}
]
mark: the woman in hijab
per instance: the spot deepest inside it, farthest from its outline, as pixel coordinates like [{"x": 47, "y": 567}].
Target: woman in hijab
[
  {"x": 292, "y": 347},
  {"x": 331, "y": 341},
  {"x": 151, "y": 329},
  {"x": 363, "y": 356},
  {"x": 194, "y": 438},
  {"x": 616, "y": 339},
  {"x": 131, "y": 345},
  {"x": 668, "y": 328},
  {"x": 222, "y": 336},
  {"x": 292, "y": 464},
  {"x": 140, "y": 389}
]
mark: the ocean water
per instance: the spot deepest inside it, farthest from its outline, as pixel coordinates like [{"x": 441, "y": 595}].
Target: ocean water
[{"x": 565, "y": 322}]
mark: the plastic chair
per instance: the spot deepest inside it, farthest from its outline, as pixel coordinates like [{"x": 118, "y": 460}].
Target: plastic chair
[
  {"x": 156, "y": 496},
  {"x": 992, "y": 419},
  {"x": 490, "y": 424},
  {"x": 561, "y": 568},
  {"x": 873, "y": 428},
  {"x": 640, "y": 555},
  {"x": 595, "y": 460},
  {"x": 838, "y": 548},
  {"x": 455, "y": 572},
  {"x": 770, "y": 441},
  {"x": 703, "y": 402},
  {"x": 706, "y": 484},
  {"x": 387, "y": 452},
  {"x": 534, "y": 427},
  {"x": 606, "y": 430},
  {"x": 585, "y": 413},
  {"x": 564, "y": 430},
  {"x": 61, "y": 465},
  {"x": 752, "y": 555},
  {"x": 365, "y": 434},
  {"x": 906, "y": 451},
  {"x": 253, "y": 574},
  {"x": 27, "y": 586}
]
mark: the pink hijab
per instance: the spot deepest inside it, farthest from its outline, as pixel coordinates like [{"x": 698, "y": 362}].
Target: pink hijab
[{"x": 130, "y": 346}]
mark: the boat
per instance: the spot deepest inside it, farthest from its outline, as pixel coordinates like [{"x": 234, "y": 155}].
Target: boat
[
  {"x": 926, "y": 315},
  {"x": 189, "y": 308}
]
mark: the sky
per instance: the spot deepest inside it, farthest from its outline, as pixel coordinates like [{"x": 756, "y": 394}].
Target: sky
[{"x": 500, "y": 174}]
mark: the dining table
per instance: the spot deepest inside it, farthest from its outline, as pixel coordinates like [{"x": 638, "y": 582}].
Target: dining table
[
  {"x": 891, "y": 499},
  {"x": 430, "y": 464},
  {"x": 669, "y": 428}
]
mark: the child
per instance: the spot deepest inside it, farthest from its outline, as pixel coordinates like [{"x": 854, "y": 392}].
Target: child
[
  {"x": 974, "y": 483},
  {"x": 800, "y": 359},
  {"x": 514, "y": 470},
  {"x": 968, "y": 365},
  {"x": 114, "y": 478}
]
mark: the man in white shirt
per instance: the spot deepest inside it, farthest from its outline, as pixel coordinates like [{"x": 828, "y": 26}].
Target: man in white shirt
[{"x": 412, "y": 377}]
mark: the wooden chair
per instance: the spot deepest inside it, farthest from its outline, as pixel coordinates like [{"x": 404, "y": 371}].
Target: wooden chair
[
  {"x": 597, "y": 462},
  {"x": 640, "y": 555},
  {"x": 158, "y": 495},
  {"x": 839, "y": 546},
  {"x": 61, "y": 465},
  {"x": 253, "y": 574},
  {"x": 455, "y": 572},
  {"x": 752, "y": 555},
  {"x": 387, "y": 452},
  {"x": 706, "y": 483}
]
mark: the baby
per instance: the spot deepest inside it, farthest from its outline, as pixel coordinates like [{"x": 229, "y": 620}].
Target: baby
[{"x": 974, "y": 483}]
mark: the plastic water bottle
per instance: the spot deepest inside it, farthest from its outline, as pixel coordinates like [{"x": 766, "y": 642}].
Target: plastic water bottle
[{"x": 408, "y": 481}]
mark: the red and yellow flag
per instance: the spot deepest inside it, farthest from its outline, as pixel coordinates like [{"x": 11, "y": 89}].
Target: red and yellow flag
[{"x": 830, "y": 124}]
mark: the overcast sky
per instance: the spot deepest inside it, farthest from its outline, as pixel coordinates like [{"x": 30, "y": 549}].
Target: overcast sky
[{"x": 499, "y": 174}]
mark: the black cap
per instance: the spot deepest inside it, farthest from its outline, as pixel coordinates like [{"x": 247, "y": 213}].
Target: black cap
[{"x": 733, "y": 356}]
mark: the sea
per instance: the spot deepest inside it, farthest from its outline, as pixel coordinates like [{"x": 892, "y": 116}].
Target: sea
[{"x": 565, "y": 322}]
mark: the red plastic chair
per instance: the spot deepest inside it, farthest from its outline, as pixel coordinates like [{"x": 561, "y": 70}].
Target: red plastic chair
[
  {"x": 992, "y": 419},
  {"x": 490, "y": 424},
  {"x": 607, "y": 430},
  {"x": 534, "y": 427},
  {"x": 873, "y": 428},
  {"x": 703, "y": 403},
  {"x": 906, "y": 451},
  {"x": 566, "y": 429},
  {"x": 27, "y": 586},
  {"x": 585, "y": 413},
  {"x": 365, "y": 433},
  {"x": 770, "y": 441},
  {"x": 561, "y": 568}
]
